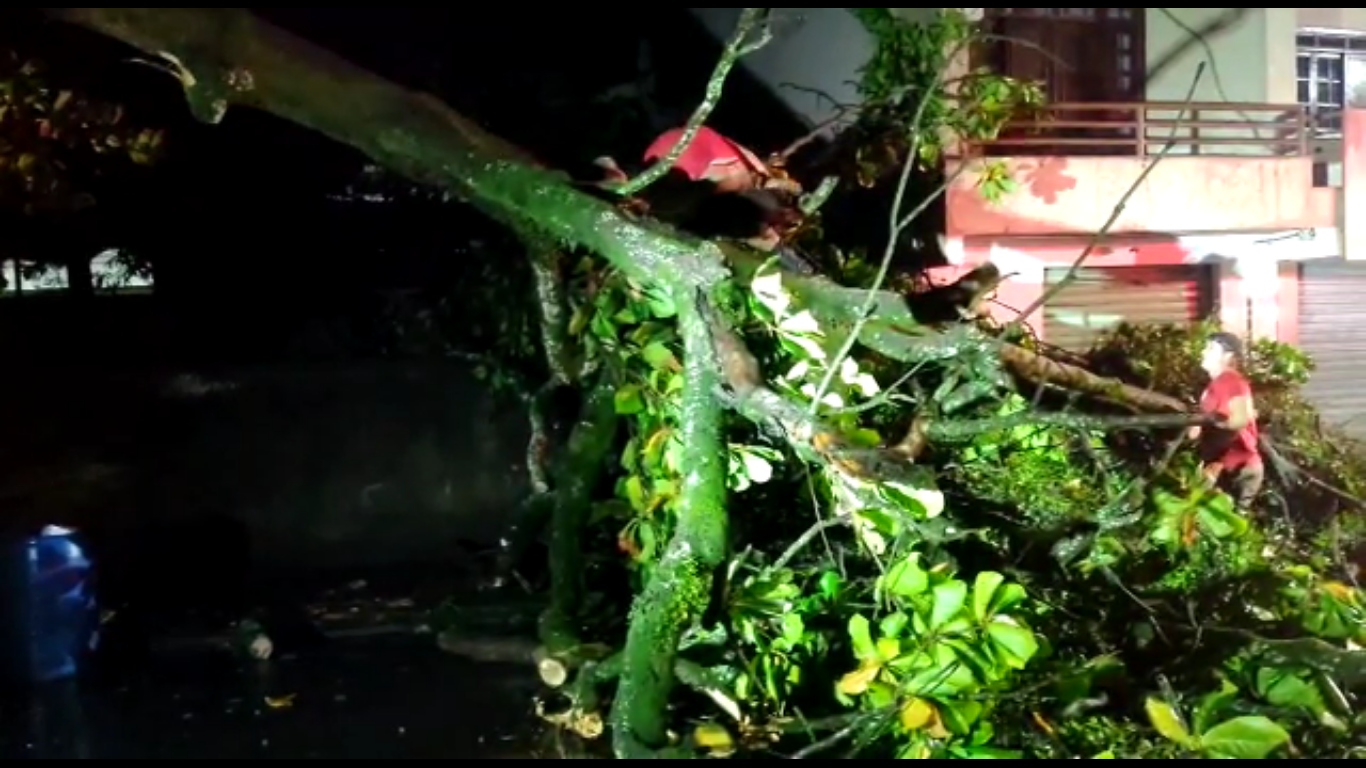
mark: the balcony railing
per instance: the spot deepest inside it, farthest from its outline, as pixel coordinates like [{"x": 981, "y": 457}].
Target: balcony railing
[{"x": 1217, "y": 129}]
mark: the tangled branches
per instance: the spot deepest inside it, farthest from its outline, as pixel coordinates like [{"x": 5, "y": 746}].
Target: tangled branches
[{"x": 1013, "y": 586}]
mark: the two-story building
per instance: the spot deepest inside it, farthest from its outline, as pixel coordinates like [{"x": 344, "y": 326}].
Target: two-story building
[{"x": 1253, "y": 171}]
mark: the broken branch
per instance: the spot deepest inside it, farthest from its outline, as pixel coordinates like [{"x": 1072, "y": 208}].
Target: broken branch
[
  {"x": 740, "y": 44},
  {"x": 896, "y": 224}
]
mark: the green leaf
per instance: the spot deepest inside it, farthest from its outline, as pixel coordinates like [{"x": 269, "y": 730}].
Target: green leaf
[
  {"x": 1251, "y": 737},
  {"x": 1211, "y": 704},
  {"x": 830, "y": 583},
  {"x": 958, "y": 716},
  {"x": 865, "y": 438},
  {"x": 601, "y": 327},
  {"x": 635, "y": 493},
  {"x": 661, "y": 305},
  {"x": 949, "y": 598},
  {"x": 647, "y": 538},
  {"x": 983, "y": 590},
  {"x": 920, "y": 500},
  {"x": 1283, "y": 689},
  {"x": 906, "y": 578},
  {"x": 630, "y": 455},
  {"x": 888, "y": 648},
  {"x": 937, "y": 673},
  {"x": 1017, "y": 643},
  {"x": 659, "y": 357},
  {"x": 861, "y": 637},
  {"x": 892, "y": 624},
  {"x": 1167, "y": 721},
  {"x": 628, "y": 400}
]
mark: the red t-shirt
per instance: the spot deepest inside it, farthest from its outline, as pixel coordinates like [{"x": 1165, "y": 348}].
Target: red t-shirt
[
  {"x": 708, "y": 156},
  {"x": 1242, "y": 449}
]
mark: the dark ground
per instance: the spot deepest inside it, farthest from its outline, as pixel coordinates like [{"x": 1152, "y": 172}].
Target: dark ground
[
  {"x": 378, "y": 697},
  {"x": 373, "y": 688}
]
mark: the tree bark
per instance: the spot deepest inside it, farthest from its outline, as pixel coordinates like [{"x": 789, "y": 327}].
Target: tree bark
[
  {"x": 575, "y": 475},
  {"x": 680, "y": 583}
]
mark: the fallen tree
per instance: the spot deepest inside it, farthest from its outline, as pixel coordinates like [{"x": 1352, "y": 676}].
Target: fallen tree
[{"x": 678, "y": 332}]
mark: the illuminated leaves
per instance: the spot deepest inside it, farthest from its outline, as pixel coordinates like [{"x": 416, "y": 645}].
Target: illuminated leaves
[
  {"x": 934, "y": 657},
  {"x": 51, "y": 138},
  {"x": 1248, "y": 737}
]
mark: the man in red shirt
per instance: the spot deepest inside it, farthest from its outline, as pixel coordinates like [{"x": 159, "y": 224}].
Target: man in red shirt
[{"x": 1228, "y": 447}]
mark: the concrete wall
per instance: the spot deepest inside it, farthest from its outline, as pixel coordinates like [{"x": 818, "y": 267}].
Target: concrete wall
[
  {"x": 1238, "y": 70},
  {"x": 818, "y": 49},
  {"x": 1344, "y": 19},
  {"x": 1062, "y": 195}
]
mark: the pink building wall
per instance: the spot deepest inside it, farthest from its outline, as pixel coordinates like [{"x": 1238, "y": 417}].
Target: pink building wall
[{"x": 1220, "y": 204}]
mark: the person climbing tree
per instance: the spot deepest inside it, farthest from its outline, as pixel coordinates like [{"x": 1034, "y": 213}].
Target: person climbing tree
[{"x": 1228, "y": 449}]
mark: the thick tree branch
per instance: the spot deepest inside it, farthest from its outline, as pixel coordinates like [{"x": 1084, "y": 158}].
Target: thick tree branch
[
  {"x": 548, "y": 266},
  {"x": 1040, "y": 369},
  {"x": 574, "y": 477},
  {"x": 226, "y": 57},
  {"x": 680, "y": 584}
]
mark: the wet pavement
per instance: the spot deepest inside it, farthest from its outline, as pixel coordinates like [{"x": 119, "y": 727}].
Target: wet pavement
[{"x": 388, "y": 696}]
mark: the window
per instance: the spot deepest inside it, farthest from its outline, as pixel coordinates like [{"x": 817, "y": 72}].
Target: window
[
  {"x": 1079, "y": 54},
  {"x": 1321, "y": 75},
  {"x": 116, "y": 271},
  {"x": 25, "y": 277},
  {"x": 112, "y": 271}
]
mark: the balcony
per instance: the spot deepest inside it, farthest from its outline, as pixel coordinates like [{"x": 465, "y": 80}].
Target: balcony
[{"x": 1231, "y": 167}]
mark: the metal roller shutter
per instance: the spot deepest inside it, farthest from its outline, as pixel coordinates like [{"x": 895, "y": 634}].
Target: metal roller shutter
[
  {"x": 1100, "y": 298},
  {"x": 1333, "y": 332}
]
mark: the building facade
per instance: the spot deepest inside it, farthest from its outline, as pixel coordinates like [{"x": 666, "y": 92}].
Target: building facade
[{"x": 1247, "y": 216}]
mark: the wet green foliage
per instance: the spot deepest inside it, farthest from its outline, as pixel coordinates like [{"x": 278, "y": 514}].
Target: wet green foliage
[
  {"x": 1019, "y": 592},
  {"x": 1031, "y": 592},
  {"x": 911, "y": 67},
  {"x": 862, "y": 619}
]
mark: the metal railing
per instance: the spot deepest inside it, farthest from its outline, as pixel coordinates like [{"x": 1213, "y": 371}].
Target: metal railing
[{"x": 1209, "y": 129}]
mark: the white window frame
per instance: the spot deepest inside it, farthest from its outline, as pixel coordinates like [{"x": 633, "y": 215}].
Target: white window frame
[{"x": 1316, "y": 50}]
